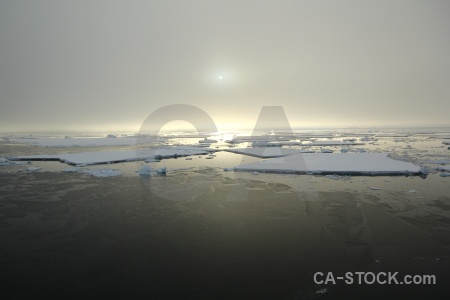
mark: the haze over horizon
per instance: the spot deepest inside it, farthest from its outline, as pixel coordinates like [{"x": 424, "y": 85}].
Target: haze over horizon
[{"x": 107, "y": 65}]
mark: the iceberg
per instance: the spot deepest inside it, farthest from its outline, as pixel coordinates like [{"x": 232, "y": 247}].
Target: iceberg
[{"x": 334, "y": 163}]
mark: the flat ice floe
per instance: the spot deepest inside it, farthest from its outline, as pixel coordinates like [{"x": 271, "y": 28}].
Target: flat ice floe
[
  {"x": 104, "y": 157},
  {"x": 264, "y": 152},
  {"x": 334, "y": 163}
]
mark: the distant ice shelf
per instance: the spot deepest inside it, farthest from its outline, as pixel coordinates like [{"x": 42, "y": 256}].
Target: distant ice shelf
[
  {"x": 334, "y": 163},
  {"x": 86, "y": 142}
]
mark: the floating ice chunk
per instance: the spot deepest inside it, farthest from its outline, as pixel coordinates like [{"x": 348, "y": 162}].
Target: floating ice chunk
[
  {"x": 322, "y": 291},
  {"x": 255, "y": 173},
  {"x": 4, "y": 161},
  {"x": 207, "y": 141},
  {"x": 445, "y": 174},
  {"x": 32, "y": 169},
  {"x": 412, "y": 191},
  {"x": 325, "y": 150},
  {"x": 72, "y": 169},
  {"x": 111, "y": 136},
  {"x": 228, "y": 169},
  {"x": 102, "y": 172},
  {"x": 145, "y": 170},
  {"x": 161, "y": 171},
  {"x": 188, "y": 158},
  {"x": 374, "y": 188},
  {"x": 337, "y": 177}
]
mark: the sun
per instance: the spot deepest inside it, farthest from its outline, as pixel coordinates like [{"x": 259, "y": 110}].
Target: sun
[{"x": 220, "y": 77}]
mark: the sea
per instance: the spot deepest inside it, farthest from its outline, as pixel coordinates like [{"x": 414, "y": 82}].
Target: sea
[{"x": 202, "y": 230}]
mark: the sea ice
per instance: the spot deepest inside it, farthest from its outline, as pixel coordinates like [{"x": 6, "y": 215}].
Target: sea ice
[
  {"x": 72, "y": 169},
  {"x": 334, "y": 163},
  {"x": 265, "y": 152},
  {"x": 31, "y": 169},
  {"x": 145, "y": 170},
  {"x": 104, "y": 157},
  {"x": 161, "y": 171},
  {"x": 102, "y": 172},
  {"x": 4, "y": 161},
  {"x": 331, "y": 143}
]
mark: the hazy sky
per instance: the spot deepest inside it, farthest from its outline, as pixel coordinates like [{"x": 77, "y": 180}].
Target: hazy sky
[{"x": 106, "y": 65}]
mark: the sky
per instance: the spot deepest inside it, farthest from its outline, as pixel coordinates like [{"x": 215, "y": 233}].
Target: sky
[{"x": 107, "y": 65}]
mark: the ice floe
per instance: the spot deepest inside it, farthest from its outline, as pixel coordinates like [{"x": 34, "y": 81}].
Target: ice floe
[
  {"x": 331, "y": 143},
  {"x": 334, "y": 163},
  {"x": 104, "y": 157},
  {"x": 265, "y": 152},
  {"x": 374, "y": 188},
  {"x": 101, "y": 172}
]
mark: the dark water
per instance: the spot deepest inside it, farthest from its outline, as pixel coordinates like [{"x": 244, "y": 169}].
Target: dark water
[
  {"x": 72, "y": 235},
  {"x": 203, "y": 233}
]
